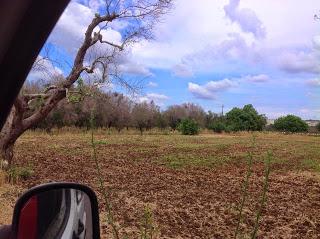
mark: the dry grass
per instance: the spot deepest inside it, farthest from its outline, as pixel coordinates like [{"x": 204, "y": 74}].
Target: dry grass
[{"x": 8, "y": 195}]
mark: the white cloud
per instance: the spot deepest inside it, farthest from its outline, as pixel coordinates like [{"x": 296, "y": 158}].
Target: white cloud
[
  {"x": 178, "y": 35},
  {"x": 152, "y": 84},
  {"x": 289, "y": 23},
  {"x": 257, "y": 78},
  {"x": 246, "y": 18},
  {"x": 70, "y": 29},
  {"x": 157, "y": 96},
  {"x": 313, "y": 82},
  {"x": 208, "y": 34},
  {"x": 133, "y": 68},
  {"x": 43, "y": 69},
  {"x": 182, "y": 70},
  {"x": 158, "y": 99},
  {"x": 299, "y": 62},
  {"x": 95, "y": 4},
  {"x": 274, "y": 112},
  {"x": 200, "y": 92},
  {"x": 222, "y": 56},
  {"x": 111, "y": 35},
  {"x": 210, "y": 89},
  {"x": 220, "y": 85},
  {"x": 306, "y": 110},
  {"x": 316, "y": 42}
]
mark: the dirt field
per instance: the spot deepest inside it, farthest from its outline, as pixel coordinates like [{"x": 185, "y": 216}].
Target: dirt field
[{"x": 191, "y": 183}]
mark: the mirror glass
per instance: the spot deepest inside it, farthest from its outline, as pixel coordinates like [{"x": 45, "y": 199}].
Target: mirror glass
[{"x": 59, "y": 213}]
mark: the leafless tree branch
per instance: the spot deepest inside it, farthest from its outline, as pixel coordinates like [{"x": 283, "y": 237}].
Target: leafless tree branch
[{"x": 141, "y": 16}]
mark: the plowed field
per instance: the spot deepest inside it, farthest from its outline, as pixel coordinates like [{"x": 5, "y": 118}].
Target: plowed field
[{"x": 192, "y": 184}]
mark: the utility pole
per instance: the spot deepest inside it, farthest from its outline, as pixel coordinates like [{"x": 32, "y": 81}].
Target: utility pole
[{"x": 222, "y": 110}]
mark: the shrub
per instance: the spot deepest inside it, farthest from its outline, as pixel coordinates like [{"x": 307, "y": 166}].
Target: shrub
[
  {"x": 290, "y": 123},
  {"x": 15, "y": 173},
  {"x": 246, "y": 118},
  {"x": 217, "y": 127},
  {"x": 189, "y": 127},
  {"x": 318, "y": 126},
  {"x": 228, "y": 129}
]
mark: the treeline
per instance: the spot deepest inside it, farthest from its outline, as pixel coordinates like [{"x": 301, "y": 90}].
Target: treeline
[{"x": 109, "y": 109}]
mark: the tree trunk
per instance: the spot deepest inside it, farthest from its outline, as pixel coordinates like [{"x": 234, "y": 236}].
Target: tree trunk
[
  {"x": 6, "y": 153},
  {"x": 10, "y": 132},
  {"x": 17, "y": 124}
]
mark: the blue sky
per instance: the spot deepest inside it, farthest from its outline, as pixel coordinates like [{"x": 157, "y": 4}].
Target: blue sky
[{"x": 214, "y": 52}]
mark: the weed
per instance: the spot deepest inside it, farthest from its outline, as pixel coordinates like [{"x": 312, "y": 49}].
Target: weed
[
  {"x": 15, "y": 173},
  {"x": 311, "y": 164},
  {"x": 148, "y": 229},
  {"x": 108, "y": 208},
  {"x": 264, "y": 194},
  {"x": 181, "y": 160},
  {"x": 245, "y": 187},
  {"x": 263, "y": 199},
  {"x": 100, "y": 142}
]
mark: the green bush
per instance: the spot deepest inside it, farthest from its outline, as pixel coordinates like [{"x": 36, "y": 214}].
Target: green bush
[
  {"x": 245, "y": 119},
  {"x": 228, "y": 129},
  {"x": 16, "y": 173},
  {"x": 217, "y": 126},
  {"x": 189, "y": 127},
  {"x": 290, "y": 123},
  {"x": 318, "y": 126}
]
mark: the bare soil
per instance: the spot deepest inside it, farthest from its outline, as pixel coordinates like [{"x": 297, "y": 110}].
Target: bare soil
[{"x": 191, "y": 200}]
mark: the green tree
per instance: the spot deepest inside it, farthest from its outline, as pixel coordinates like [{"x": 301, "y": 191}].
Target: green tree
[
  {"x": 189, "y": 127},
  {"x": 210, "y": 118},
  {"x": 318, "y": 126},
  {"x": 290, "y": 123},
  {"x": 217, "y": 126},
  {"x": 245, "y": 119}
]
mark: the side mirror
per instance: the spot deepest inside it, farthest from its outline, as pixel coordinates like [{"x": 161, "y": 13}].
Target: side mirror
[{"x": 57, "y": 211}]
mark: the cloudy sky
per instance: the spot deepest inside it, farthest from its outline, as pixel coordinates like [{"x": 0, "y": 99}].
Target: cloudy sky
[{"x": 218, "y": 52}]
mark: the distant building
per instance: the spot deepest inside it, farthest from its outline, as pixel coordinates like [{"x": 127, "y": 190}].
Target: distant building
[
  {"x": 312, "y": 123},
  {"x": 270, "y": 121}
]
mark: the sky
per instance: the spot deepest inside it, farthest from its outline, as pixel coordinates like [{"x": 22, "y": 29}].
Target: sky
[{"x": 214, "y": 53}]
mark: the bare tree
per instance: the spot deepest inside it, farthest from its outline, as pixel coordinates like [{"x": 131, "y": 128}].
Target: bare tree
[
  {"x": 122, "y": 108},
  {"x": 144, "y": 115},
  {"x": 174, "y": 114},
  {"x": 141, "y": 16},
  {"x": 195, "y": 112}
]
